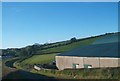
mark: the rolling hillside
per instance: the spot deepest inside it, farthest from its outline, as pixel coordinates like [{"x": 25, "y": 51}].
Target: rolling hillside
[
  {"x": 52, "y": 52},
  {"x": 59, "y": 47},
  {"x": 63, "y": 48},
  {"x": 101, "y": 39},
  {"x": 49, "y": 54},
  {"x": 45, "y": 54}
]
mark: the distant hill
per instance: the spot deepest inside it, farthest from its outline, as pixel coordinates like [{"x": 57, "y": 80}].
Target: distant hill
[{"x": 63, "y": 46}]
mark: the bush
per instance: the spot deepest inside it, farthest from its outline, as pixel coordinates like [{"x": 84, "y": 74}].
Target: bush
[{"x": 102, "y": 73}]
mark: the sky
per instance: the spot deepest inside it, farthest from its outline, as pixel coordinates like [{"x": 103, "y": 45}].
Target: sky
[
  {"x": 26, "y": 23},
  {"x": 60, "y": 0}
]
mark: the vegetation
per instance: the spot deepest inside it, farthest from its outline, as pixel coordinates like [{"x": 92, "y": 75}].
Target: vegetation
[
  {"x": 44, "y": 54},
  {"x": 39, "y": 59},
  {"x": 68, "y": 47},
  {"x": 99, "y": 73},
  {"x": 43, "y": 48}
]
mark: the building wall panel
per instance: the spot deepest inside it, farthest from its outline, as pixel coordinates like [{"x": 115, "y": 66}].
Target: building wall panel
[
  {"x": 108, "y": 62},
  {"x": 94, "y": 61},
  {"x": 65, "y": 62}
]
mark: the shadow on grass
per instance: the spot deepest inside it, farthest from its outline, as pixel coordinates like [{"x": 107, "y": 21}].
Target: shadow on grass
[
  {"x": 24, "y": 75},
  {"x": 20, "y": 74}
]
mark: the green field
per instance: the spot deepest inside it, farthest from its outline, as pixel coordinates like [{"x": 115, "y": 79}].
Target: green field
[
  {"x": 47, "y": 58},
  {"x": 39, "y": 59},
  {"x": 47, "y": 55},
  {"x": 69, "y": 46}
]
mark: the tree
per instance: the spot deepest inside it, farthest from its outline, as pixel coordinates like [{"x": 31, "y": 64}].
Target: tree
[{"x": 73, "y": 40}]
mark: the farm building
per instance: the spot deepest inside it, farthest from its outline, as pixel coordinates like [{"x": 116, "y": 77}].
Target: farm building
[{"x": 91, "y": 56}]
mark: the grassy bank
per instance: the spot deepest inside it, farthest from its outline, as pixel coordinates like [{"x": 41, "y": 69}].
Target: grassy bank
[
  {"x": 101, "y": 73},
  {"x": 39, "y": 59},
  {"x": 48, "y": 55}
]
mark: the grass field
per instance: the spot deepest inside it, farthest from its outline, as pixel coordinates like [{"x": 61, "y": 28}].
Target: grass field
[
  {"x": 70, "y": 46},
  {"x": 46, "y": 58},
  {"x": 103, "y": 73},
  {"x": 39, "y": 59}
]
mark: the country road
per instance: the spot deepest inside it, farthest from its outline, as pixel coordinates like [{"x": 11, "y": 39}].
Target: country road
[{"x": 21, "y": 74}]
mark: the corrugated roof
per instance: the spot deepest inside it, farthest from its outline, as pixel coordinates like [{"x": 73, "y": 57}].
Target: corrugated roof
[{"x": 98, "y": 50}]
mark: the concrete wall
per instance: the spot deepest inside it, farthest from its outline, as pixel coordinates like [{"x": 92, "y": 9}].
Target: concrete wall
[
  {"x": 64, "y": 62},
  {"x": 94, "y": 61},
  {"x": 109, "y": 62},
  {"x": 118, "y": 62}
]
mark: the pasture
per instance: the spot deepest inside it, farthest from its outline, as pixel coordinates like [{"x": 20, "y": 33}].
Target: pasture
[
  {"x": 39, "y": 59},
  {"x": 71, "y": 46}
]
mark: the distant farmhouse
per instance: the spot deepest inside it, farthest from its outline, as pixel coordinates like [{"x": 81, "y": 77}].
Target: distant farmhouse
[{"x": 103, "y": 52}]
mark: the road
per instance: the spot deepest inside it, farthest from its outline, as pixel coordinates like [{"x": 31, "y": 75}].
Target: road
[{"x": 20, "y": 74}]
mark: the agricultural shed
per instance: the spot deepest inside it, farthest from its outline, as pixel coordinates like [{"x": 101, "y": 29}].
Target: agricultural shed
[{"x": 92, "y": 56}]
